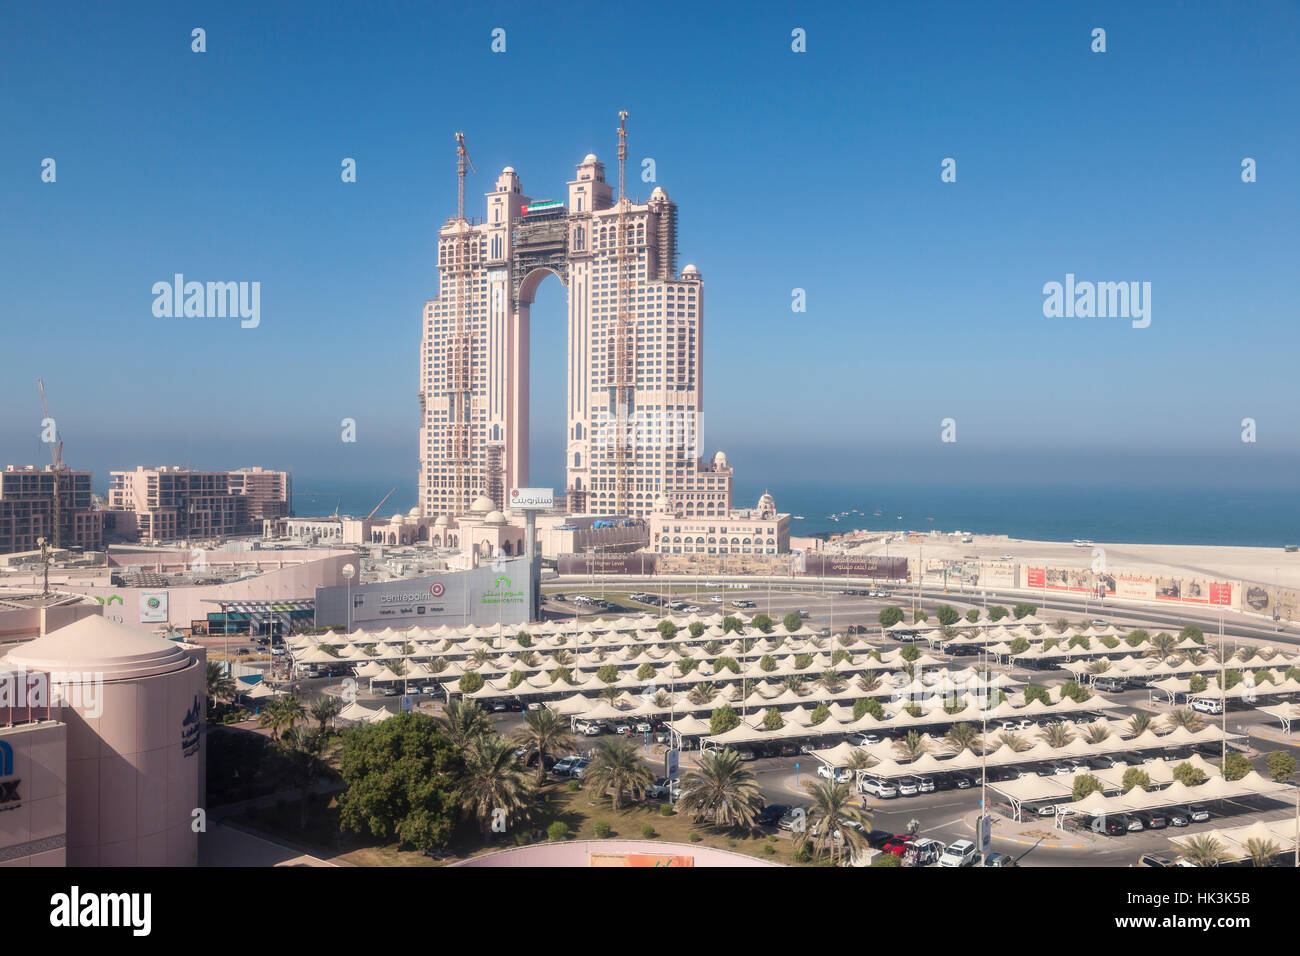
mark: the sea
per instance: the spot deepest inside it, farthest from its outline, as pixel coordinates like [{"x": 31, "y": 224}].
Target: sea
[{"x": 1121, "y": 514}]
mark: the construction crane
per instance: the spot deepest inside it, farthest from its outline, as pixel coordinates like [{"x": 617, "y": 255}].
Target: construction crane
[
  {"x": 380, "y": 505},
  {"x": 460, "y": 346},
  {"x": 56, "y": 458},
  {"x": 624, "y": 338}
]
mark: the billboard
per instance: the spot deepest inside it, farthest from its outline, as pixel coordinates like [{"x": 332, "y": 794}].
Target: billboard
[
  {"x": 638, "y": 562},
  {"x": 1276, "y": 604},
  {"x": 153, "y": 607},
  {"x": 528, "y": 498},
  {"x": 1131, "y": 586},
  {"x": 641, "y": 859},
  {"x": 856, "y": 566},
  {"x": 501, "y": 592}
]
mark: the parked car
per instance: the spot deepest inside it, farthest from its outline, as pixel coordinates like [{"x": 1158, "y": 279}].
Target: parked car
[
  {"x": 1113, "y": 825},
  {"x": 877, "y": 839},
  {"x": 1153, "y": 819},
  {"x": 1135, "y": 823},
  {"x": 923, "y": 852},
  {"x": 1154, "y": 859},
  {"x": 1179, "y": 818},
  {"x": 1207, "y": 706},
  {"x": 897, "y": 844},
  {"x": 879, "y": 788},
  {"x": 961, "y": 853},
  {"x": 1198, "y": 813},
  {"x": 771, "y": 814},
  {"x": 622, "y": 728},
  {"x": 429, "y": 689},
  {"x": 548, "y": 761},
  {"x": 837, "y": 774},
  {"x": 663, "y": 789},
  {"x": 907, "y": 787},
  {"x": 999, "y": 859},
  {"x": 564, "y": 767},
  {"x": 1111, "y": 685},
  {"x": 580, "y": 767},
  {"x": 924, "y": 784},
  {"x": 790, "y": 817},
  {"x": 961, "y": 781}
]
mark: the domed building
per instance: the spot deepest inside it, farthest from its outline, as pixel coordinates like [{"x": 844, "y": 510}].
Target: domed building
[
  {"x": 756, "y": 532},
  {"x": 110, "y": 772}
]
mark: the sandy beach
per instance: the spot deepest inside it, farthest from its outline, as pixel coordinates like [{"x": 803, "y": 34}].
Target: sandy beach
[{"x": 1266, "y": 566}]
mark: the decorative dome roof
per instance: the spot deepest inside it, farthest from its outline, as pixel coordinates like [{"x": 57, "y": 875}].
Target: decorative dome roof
[
  {"x": 766, "y": 504},
  {"x": 397, "y": 519},
  {"x": 663, "y": 504},
  {"x": 720, "y": 459},
  {"x": 482, "y": 505},
  {"x": 658, "y": 193},
  {"x": 414, "y": 512},
  {"x": 495, "y": 517},
  {"x": 509, "y": 170},
  {"x": 690, "y": 270},
  {"x": 589, "y": 159},
  {"x": 99, "y": 646},
  {"x": 442, "y": 522}
]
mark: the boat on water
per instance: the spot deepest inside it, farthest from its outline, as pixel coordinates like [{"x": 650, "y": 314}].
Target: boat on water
[{"x": 798, "y": 518}]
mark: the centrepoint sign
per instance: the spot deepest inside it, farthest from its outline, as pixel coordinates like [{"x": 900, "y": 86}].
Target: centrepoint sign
[{"x": 532, "y": 497}]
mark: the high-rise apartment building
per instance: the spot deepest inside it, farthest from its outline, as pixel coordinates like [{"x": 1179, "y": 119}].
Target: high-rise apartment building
[
  {"x": 635, "y": 357},
  {"x": 27, "y": 509},
  {"x": 174, "y": 502}
]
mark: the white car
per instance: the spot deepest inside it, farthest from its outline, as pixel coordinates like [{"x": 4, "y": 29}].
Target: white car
[
  {"x": 837, "y": 774},
  {"x": 715, "y": 599},
  {"x": 907, "y": 788},
  {"x": 1046, "y": 810},
  {"x": 879, "y": 788},
  {"x": 589, "y": 730},
  {"x": 961, "y": 853},
  {"x": 622, "y": 728},
  {"x": 692, "y": 609}
]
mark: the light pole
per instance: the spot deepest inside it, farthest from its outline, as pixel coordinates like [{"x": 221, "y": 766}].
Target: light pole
[{"x": 348, "y": 572}]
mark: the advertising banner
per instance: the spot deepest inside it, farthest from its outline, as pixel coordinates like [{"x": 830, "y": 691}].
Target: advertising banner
[
  {"x": 856, "y": 566},
  {"x": 153, "y": 607},
  {"x": 635, "y": 563}
]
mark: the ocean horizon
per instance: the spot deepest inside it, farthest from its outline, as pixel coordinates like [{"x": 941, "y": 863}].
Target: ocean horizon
[{"x": 1233, "y": 516}]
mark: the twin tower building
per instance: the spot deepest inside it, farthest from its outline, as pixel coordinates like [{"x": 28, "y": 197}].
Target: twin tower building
[{"x": 635, "y": 382}]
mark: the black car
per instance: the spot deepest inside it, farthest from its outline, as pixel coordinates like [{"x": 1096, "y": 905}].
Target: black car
[
  {"x": 768, "y": 816},
  {"x": 1113, "y": 825},
  {"x": 549, "y": 762},
  {"x": 999, "y": 859},
  {"x": 876, "y": 839}
]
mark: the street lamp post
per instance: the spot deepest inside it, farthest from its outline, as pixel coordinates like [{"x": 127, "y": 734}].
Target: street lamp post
[{"x": 348, "y": 572}]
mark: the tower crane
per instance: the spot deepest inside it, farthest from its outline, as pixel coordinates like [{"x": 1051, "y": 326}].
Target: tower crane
[
  {"x": 380, "y": 505},
  {"x": 624, "y": 338},
  {"x": 460, "y": 348}
]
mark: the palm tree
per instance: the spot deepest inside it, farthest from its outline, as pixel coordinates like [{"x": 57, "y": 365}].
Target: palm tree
[
  {"x": 610, "y": 694},
  {"x": 1138, "y": 723},
  {"x": 721, "y": 790},
  {"x": 832, "y": 680},
  {"x": 527, "y": 658},
  {"x": 562, "y": 658},
  {"x": 493, "y": 782},
  {"x": 912, "y": 746},
  {"x": 1014, "y": 741},
  {"x": 1195, "y": 658},
  {"x": 544, "y": 732},
  {"x": 281, "y": 714},
  {"x": 702, "y": 692},
  {"x": 1096, "y": 733},
  {"x": 1098, "y": 666},
  {"x": 1162, "y": 645},
  {"x": 479, "y": 657},
  {"x": 1262, "y": 852},
  {"x": 324, "y": 709},
  {"x": 869, "y": 681},
  {"x": 1057, "y": 734},
  {"x": 830, "y": 817},
  {"x": 221, "y": 686},
  {"x": 793, "y": 682},
  {"x": 1203, "y": 851},
  {"x": 663, "y": 698},
  {"x": 615, "y": 765},
  {"x": 1184, "y": 717},
  {"x": 861, "y": 760},
  {"x": 302, "y": 748},
  {"x": 961, "y": 735},
  {"x": 462, "y": 721}
]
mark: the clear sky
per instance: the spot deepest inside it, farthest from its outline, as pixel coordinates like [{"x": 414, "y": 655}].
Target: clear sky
[{"x": 817, "y": 170}]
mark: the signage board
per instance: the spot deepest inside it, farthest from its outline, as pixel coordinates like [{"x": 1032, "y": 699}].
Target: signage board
[
  {"x": 153, "y": 607},
  {"x": 529, "y": 498}
]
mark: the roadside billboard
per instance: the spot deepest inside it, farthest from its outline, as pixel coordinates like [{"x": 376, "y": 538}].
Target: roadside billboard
[{"x": 821, "y": 564}]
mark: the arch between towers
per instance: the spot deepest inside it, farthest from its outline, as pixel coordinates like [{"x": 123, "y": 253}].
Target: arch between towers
[{"x": 518, "y": 433}]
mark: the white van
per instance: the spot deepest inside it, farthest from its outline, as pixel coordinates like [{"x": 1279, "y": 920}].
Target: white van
[
  {"x": 961, "y": 853},
  {"x": 1207, "y": 705}
]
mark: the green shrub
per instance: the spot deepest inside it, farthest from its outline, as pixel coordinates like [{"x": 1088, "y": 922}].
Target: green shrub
[
  {"x": 648, "y": 832},
  {"x": 666, "y": 810},
  {"x": 601, "y": 828},
  {"x": 557, "y": 831},
  {"x": 695, "y": 838}
]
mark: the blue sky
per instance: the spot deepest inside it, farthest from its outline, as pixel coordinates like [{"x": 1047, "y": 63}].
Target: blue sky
[{"x": 817, "y": 170}]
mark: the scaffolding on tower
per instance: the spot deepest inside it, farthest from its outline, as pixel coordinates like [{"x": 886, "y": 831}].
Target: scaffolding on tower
[
  {"x": 460, "y": 348},
  {"x": 624, "y": 358}
]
